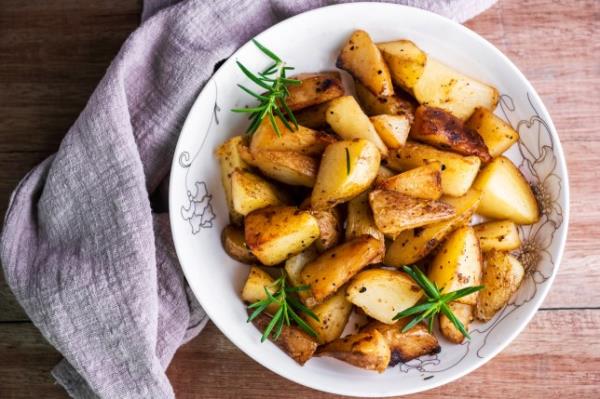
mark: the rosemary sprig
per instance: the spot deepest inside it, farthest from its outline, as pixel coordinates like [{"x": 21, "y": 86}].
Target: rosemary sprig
[
  {"x": 289, "y": 308},
  {"x": 347, "y": 161},
  {"x": 435, "y": 302},
  {"x": 272, "y": 102}
]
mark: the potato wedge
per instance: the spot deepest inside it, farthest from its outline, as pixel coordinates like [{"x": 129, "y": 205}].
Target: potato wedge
[
  {"x": 362, "y": 59},
  {"x": 497, "y": 135},
  {"x": 394, "y": 212},
  {"x": 458, "y": 172},
  {"x": 422, "y": 182},
  {"x": 458, "y": 264},
  {"x": 234, "y": 243},
  {"x": 392, "y": 129},
  {"x": 441, "y": 129},
  {"x": 367, "y": 350},
  {"x": 230, "y": 160},
  {"x": 274, "y": 234},
  {"x": 405, "y": 346},
  {"x": 380, "y": 105},
  {"x": 302, "y": 140},
  {"x": 296, "y": 343},
  {"x": 250, "y": 192},
  {"x": 293, "y": 269},
  {"x": 413, "y": 245},
  {"x": 314, "y": 117},
  {"x": 502, "y": 276},
  {"x": 464, "y": 313},
  {"x": 315, "y": 88},
  {"x": 333, "y": 315},
  {"x": 360, "y": 221},
  {"x": 335, "y": 267},
  {"x": 254, "y": 288},
  {"x": 330, "y": 224},
  {"x": 347, "y": 119},
  {"x": 383, "y": 293},
  {"x": 289, "y": 167},
  {"x": 502, "y": 235},
  {"x": 505, "y": 193},
  {"x": 347, "y": 169},
  {"x": 443, "y": 87},
  {"x": 406, "y": 62}
]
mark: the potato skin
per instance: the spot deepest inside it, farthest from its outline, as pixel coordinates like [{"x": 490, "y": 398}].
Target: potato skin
[
  {"x": 333, "y": 315},
  {"x": 330, "y": 225},
  {"x": 234, "y": 243},
  {"x": 423, "y": 182},
  {"x": 383, "y": 105},
  {"x": 497, "y": 135},
  {"x": 464, "y": 313},
  {"x": 303, "y": 140},
  {"x": 367, "y": 350},
  {"x": 316, "y": 88}
]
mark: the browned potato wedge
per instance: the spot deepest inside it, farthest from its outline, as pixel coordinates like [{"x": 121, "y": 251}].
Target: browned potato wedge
[
  {"x": 314, "y": 117},
  {"x": 392, "y": 129},
  {"x": 443, "y": 130},
  {"x": 303, "y": 140},
  {"x": 413, "y": 245},
  {"x": 405, "y": 346},
  {"x": 296, "y": 343},
  {"x": 362, "y": 59},
  {"x": 333, "y": 315},
  {"x": 254, "y": 288},
  {"x": 497, "y": 135},
  {"x": 502, "y": 276},
  {"x": 316, "y": 88},
  {"x": 422, "y": 182},
  {"x": 250, "y": 192},
  {"x": 232, "y": 238},
  {"x": 275, "y": 233},
  {"x": 502, "y": 235},
  {"x": 229, "y": 161},
  {"x": 458, "y": 172},
  {"x": 505, "y": 193},
  {"x": 383, "y": 293},
  {"x": 330, "y": 224},
  {"x": 293, "y": 269},
  {"x": 388, "y": 105},
  {"x": 360, "y": 221},
  {"x": 394, "y": 212},
  {"x": 458, "y": 264},
  {"x": 406, "y": 62},
  {"x": 335, "y": 267},
  {"x": 347, "y": 119},
  {"x": 289, "y": 167},
  {"x": 347, "y": 169},
  {"x": 367, "y": 350},
  {"x": 464, "y": 313},
  {"x": 383, "y": 173}
]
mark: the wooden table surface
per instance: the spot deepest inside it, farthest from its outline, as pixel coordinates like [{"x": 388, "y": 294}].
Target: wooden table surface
[{"x": 52, "y": 54}]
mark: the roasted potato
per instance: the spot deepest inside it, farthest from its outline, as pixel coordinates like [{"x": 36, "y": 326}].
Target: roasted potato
[
  {"x": 273, "y": 234},
  {"x": 347, "y": 169},
  {"x": 234, "y": 243},
  {"x": 330, "y": 224},
  {"x": 505, "y": 193},
  {"x": 302, "y": 140},
  {"x": 296, "y": 343},
  {"x": 335, "y": 267},
  {"x": 229, "y": 161},
  {"x": 254, "y": 288},
  {"x": 443, "y": 130},
  {"x": 502, "y": 235},
  {"x": 413, "y": 245},
  {"x": 347, "y": 119},
  {"x": 383, "y": 293},
  {"x": 315, "y": 88},
  {"x": 383, "y": 173},
  {"x": 250, "y": 192},
  {"x": 458, "y": 264},
  {"x": 383, "y": 105},
  {"x": 333, "y": 315},
  {"x": 360, "y": 221},
  {"x": 442, "y": 87},
  {"x": 458, "y": 172},
  {"x": 502, "y": 276},
  {"x": 394, "y": 212},
  {"x": 405, "y": 346},
  {"x": 293, "y": 269},
  {"x": 406, "y": 62},
  {"x": 464, "y": 313},
  {"x": 497, "y": 135},
  {"x": 362, "y": 59},
  {"x": 314, "y": 117},
  {"x": 289, "y": 167},
  {"x": 392, "y": 129},
  {"x": 367, "y": 350},
  {"x": 422, "y": 182}
]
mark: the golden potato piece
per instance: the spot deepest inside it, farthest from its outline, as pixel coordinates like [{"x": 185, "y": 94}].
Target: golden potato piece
[
  {"x": 383, "y": 293},
  {"x": 316, "y": 88},
  {"x": 497, "y": 134},
  {"x": 406, "y": 62},
  {"x": 383, "y": 173},
  {"x": 293, "y": 269},
  {"x": 392, "y": 129},
  {"x": 276, "y": 233},
  {"x": 422, "y": 182},
  {"x": 360, "y": 221},
  {"x": 302, "y": 140},
  {"x": 250, "y": 192},
  {"x": 367, "y": 350},
  {"x": 333, "y": 315},
  {"x": 502, "y": 276},
  {"x": 347, "y": 169},
  {"x": 230, "y": 160},
  {"x": 254, "y": 288},
  {"x": 464, "y": 313},
  {"x": 502, "y": 235},
  {"x": 232, "y": 238},
  {"x": 335, "y": 267},
  {"x": 505, "y": 193},
  {"x": 394, "y": 212},
  {"x": 379, "y": 105},
  {"x": 362, "y": 59},
  {"x": 289, "y": 167},
  {"x": 314, "y": 117},
  {"x": 330, "y": 224}
]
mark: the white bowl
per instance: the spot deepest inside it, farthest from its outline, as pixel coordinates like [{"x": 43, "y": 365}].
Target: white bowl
[{"x": 311, "y": 42}]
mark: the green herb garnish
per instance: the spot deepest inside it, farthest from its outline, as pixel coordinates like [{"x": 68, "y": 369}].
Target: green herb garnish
[
  {"x": 435, "y": 302},
  {"x": 289, "y": 308},
  {"x": 347, "y": 161},
  {"x": 272, "y": 102}
]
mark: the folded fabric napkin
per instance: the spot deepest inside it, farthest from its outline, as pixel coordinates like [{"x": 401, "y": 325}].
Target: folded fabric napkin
[{"x": 82, "y": 250}]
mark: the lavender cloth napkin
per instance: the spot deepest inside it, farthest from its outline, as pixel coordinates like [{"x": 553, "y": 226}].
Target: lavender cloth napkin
[{"x": 82, "y": 250}]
